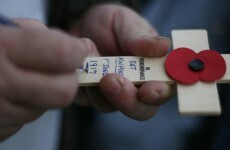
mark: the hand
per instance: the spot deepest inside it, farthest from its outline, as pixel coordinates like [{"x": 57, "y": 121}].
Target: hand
[
  {"x": 37, "y": 72},
  {"x": 117, "y": 30}
]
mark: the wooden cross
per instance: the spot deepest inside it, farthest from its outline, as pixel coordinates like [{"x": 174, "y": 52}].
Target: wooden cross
[{"x": 200, "y": 98}]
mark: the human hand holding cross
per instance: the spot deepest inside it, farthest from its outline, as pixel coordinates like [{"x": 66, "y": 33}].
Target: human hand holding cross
[{"x": 200, "y": 98}]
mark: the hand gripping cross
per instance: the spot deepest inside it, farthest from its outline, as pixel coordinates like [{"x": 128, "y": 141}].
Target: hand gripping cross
[{"x": 200, "y": 98}]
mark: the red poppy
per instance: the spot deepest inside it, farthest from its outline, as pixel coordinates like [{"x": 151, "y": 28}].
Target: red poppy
[{"x": 186, "y": 66}]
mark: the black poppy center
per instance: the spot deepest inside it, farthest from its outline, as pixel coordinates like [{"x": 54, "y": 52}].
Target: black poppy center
[{"x": 196, "y": 65}]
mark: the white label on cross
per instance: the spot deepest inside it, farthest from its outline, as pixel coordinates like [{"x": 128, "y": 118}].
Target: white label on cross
[
  {"x": 197, "y": 99},
  {"x": 136, "y": 69}
]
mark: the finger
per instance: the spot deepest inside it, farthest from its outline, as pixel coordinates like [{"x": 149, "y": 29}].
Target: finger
[
  {"x": 124, "y": 96},
  {"x": 136, "y": 36},
  {"x": 98, "y": 100},
  {"x": 41, "y": 90},
  {"x": 29, "y": 23},
  {"x": 44, "y": 49},
  {"x": 92, "y": 96},
  {"x": 14, "y": 115},
  {"x": 155, "y": 92},
  {"x": 123, "y": 32},
  {"x": 93, "y": 52},
  {"x": 101, "y": 32}
]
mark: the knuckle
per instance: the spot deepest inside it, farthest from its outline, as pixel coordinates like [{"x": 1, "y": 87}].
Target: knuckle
[
  {"x": 69, "y": 53},
  {"x": 64, "y": 50}
]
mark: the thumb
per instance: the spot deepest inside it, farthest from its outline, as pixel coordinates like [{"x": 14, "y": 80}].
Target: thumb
[{"x": 136, "y": 36}]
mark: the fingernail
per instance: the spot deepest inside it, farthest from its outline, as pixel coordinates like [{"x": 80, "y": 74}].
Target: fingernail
[
  {"x": 163, "y": 42},
  {"x": 89, "y": 44},
  {"x": 114, "y": 88}
]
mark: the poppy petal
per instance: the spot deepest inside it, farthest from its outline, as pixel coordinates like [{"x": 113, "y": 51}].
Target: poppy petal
[
  {"x": 214, "y": 65},
  {"x": 177, "y": 68}
]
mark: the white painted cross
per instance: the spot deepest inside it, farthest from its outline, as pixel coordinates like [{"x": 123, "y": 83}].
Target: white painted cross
[{"x": 200, "y": 98}]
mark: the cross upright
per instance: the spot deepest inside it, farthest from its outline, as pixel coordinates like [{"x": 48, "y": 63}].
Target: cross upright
[{"x": 200, "y": 98}]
